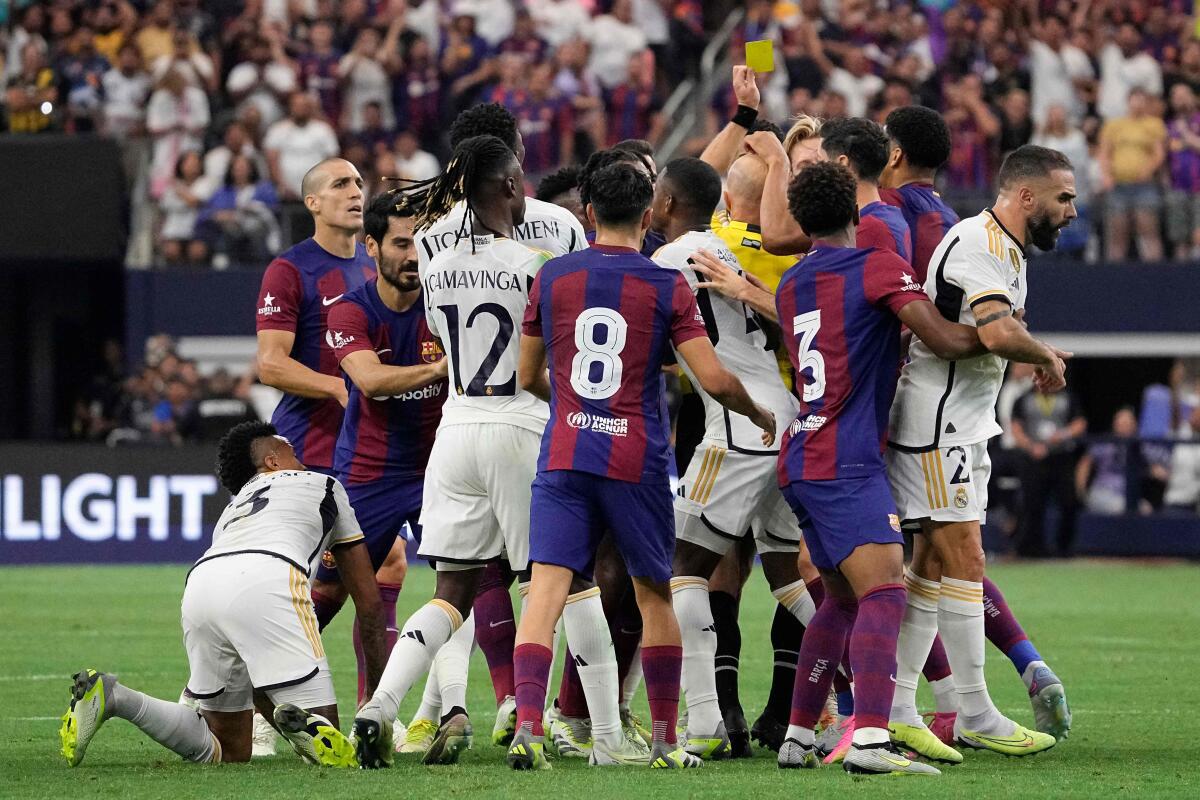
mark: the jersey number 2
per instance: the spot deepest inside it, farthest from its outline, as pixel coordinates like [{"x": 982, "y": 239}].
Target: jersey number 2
[
  {"x": 479, "y": 386},
  {"x": 806, "y": 326},
  {"x": 606, "y": 353}
]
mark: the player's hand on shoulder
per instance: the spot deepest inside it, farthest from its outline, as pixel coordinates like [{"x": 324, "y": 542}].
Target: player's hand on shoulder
[
  {"x": 716, "y": 275},
  {"x": 764, "y": 419},
  {"x": 766, "y": 146}
]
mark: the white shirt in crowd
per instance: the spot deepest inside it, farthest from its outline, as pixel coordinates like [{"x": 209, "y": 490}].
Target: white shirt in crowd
[
  {"x": 613, "y": 44},
  {"x": 177, "y": 124},
  {"x": 1073, "y": 144},
  {"x": 1052, "y": 74},
  {"x": 650, "y": 16},
  {"x": 1120, "y": 75},
  {"x": 124, "y": 100},
  {"x": 424, "y": 20},
  {"x": 1183, "y": 485},
  {"x": 558, "y": 20},
  {"x": 273, "y": 82},
  {"x": 419, "y": 167},
  {"x": 217, "y": 160},
  {"x": 857, "y": 91},
  {"x": 299, "y": 148},
  {"x": 494, "y": 19},
  {"x": 179, "y": 217},
  {"x": 367, "y": 82}
]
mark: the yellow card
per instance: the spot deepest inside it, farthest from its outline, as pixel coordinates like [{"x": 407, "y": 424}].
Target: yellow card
[{"x": 760, "y": 56}]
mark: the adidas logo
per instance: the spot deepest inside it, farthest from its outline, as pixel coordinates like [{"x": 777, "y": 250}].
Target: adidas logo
[
  {"x": 950, "y": 428},
  {"x": 420, "y": 637},
  {"x": 711, "y": 628},
  {"x": 579, "y": 662}
]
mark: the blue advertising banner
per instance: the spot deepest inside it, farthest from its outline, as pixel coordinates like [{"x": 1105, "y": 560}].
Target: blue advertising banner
[{"x": 75, "y": 503}]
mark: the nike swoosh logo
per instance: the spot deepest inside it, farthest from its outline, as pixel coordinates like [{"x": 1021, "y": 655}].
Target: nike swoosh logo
[
  {"x": 498, "y": 624},
  {"x": 328, "y": 301},
  {"x": 1008, "y": 742},
  {"x": 894, "y": 762}
]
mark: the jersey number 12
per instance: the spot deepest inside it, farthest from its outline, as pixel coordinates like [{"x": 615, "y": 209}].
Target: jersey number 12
[{"x": 479, "y": 386}]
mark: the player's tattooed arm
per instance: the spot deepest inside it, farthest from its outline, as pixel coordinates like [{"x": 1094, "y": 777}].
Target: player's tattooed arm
[
  {"x": 1005, "y": 335},
  {"x": 358, "y": 576},
  {"x": 376, "y": 379},
  {"x": 531, "y": 368},
  {"x": 277, "y": 368},
  {"x": 715, "y": 274},
  {"x": 948, "y": 340}
]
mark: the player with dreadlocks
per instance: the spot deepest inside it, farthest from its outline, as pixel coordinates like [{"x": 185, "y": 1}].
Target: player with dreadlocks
[
  {"x": 474, "y": 293},
  {"x": 547, "y": 227}
]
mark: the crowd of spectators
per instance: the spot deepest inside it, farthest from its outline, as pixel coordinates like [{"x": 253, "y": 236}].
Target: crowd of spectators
[
  {"x": 284, "y": 83},
  {"x": 165, "y": 401}
]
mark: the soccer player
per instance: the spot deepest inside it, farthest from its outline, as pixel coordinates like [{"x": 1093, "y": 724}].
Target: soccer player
[
  {"x": 919, "y": 144},
  {"x": 841, "y": 308},
  {"x": 561, "y": 188},
  {"x": 299, "y": 288},
  {"x": 605, "y": 321},
  {"x": 475, "y": 507},
  {"x": 937, "y": 457},
  {"x": 862, "y": 147},
  {"x": 397, "y": 386},
  {"x": 545, "y": 227},
  {"x": 248, "y": 624},
  {"x": 731, "y": 490},
  {"x": 801, "y": 146}
]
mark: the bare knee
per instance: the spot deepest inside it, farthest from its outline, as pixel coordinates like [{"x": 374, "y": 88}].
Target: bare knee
[
  {"x": 780, "y": 569},
  {"x": 960, "y": 547}
]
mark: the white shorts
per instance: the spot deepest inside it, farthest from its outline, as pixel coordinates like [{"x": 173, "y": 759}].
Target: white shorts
[
  {"x": 724, "y": 493},
  {"x": 947, "y": 485},
  {"x": 248, "y": 623},
  {"x": 477, "y": 492}
]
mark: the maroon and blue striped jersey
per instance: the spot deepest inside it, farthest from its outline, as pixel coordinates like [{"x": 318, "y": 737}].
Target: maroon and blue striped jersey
[
  {"x": 385, "y": 437},
  {"x": 928, "y": 218},
  {"x": 610, "y": 318},
  {"x": 838, "y": 309},
  {"x": 884, "y": 226},
  {"x": 298, "y": 290}
]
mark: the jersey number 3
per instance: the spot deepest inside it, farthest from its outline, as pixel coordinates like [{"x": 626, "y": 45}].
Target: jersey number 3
[
  {"x": 806, "y": 326},
  {"x": 599, "y": 340}
]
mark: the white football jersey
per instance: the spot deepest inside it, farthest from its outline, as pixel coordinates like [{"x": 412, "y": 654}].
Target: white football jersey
[
  {"x": 941, "y": 403},
  {"x": 475, "y": 303},
  {"x": 741, "y": 345},
  {"x": 296, "y": 515},
  {"x": 546, "y": 227}
]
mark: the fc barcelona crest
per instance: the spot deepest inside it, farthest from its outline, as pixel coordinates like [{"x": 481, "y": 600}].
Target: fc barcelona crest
[{"x": 431, "y": 352}]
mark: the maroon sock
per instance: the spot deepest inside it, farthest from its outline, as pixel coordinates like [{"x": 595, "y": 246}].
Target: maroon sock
[
  {"x": 937, "y": 666},
  {"x": 873, "y": 653},
  {"x": 495, "y": 629},
  {"x": 816, "y": 590},
  {"x": 823, "y": 646},
  {"x": 999, "y": 623},
  {"x": 661, "y": 667},
  {"x": 325, "y": 607},
  {"x": 531, "y": 666},
  {"x": 845, "y": 674},
  {"x": 571, "y": 700}
]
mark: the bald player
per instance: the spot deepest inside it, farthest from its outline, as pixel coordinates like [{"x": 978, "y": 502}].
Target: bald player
[{"x": 298, "y": 290}]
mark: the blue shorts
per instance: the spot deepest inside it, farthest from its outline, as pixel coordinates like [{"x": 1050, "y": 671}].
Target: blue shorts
[
  {"x": 382, "y": 508},
  {"x": 839, "y": 515},
  {"x": 571, "y": 511}
]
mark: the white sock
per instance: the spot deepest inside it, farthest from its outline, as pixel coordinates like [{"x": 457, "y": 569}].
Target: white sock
[
  {"x": 633, "y": 679},
  {"x": 689, "y": 596},
  {"x": 945, "y": 698},
  {"x": 864, "y": 736},
  {"x": 591, "y": 644},
  {"x": 422, "y": 636},
  {"x": 431, "y": 700},
  {"x": 960, "y": 620},
  {"x": 796, "y": 599},
  {"x": 804, "y": 736},
  {"x": 917, "y": 632},
  {"x": 178, "y": 728},
  {"x": 452, "y": 663}
]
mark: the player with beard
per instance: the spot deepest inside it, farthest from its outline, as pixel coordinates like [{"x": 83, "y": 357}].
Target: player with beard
[
  {"x": 942, "y": 419},
  {"x": 397, "y": 384}
]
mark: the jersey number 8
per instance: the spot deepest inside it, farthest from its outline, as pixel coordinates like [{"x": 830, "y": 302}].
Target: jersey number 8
[
  {"x": 606, "y": 352},
  {"x": 806, "y": 326}
]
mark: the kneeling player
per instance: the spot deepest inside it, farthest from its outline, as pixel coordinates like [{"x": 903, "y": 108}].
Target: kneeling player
[
  {"x": 248, "y": 623},
  {"x": 605, "y": 319},
  {"x": 841, "y": 308}
]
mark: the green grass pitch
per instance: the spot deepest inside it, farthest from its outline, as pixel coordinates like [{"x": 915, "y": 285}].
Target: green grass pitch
[{"x": 1124, "y": 637}]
